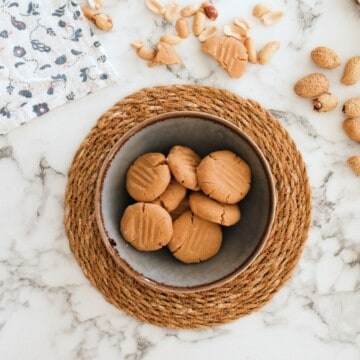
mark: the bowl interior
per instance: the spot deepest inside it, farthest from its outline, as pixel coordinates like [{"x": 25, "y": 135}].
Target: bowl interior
[{"x": 239, "y": 241}]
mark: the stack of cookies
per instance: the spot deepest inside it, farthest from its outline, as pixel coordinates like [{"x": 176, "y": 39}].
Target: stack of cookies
[{"x": 183, "y": 200}]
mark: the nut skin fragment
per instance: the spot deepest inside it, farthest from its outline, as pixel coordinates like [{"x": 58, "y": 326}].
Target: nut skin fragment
[
  {"x": 312, "y": 85},
  {"x": 325, "y": 102},
  {"x": 325, "y": 57},
  {"x": 352, "y": 128},
  {"x": 190, "y": 10},
  {"x": 267, "y": 52},
  {"x": 351, "y": 107},
  {"x": 354, "y": 164},
  {"x": 260, "y": 10},
  {"x": 165, "y": 55},
  {"x": 352, "y": 71},
  {"x": 182, "y": 28},
  {"x": 199, "y": 23},
  {"x": 210, "y": 11},
  {"x": 229, "y": 52},
  {"x": 250, "y": 47}
]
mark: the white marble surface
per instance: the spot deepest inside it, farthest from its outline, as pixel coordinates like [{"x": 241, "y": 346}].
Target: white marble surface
[{"x": 48, "y": 309}]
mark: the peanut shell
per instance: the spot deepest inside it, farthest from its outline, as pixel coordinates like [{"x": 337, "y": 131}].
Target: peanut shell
[
  {"x": 352, "y": 71},
  {"x": 352, "y": 128},
  {"x": 312, "y": 85},
  {"x": 325, "y": 57},
  {"x": 325, "y": 102},
  {"x": 351, "y": 107}
]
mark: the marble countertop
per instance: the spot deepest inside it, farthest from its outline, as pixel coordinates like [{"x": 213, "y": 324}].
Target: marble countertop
[{"x": 48, "y": 309}]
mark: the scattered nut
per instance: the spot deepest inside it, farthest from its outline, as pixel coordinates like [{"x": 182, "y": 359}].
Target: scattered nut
[
  {"x": 325, "y": 102},
  {"x": 170, "y": 10},
  {"x": 352, "y": 71},
  {"x": 190, "y": 10},
  {"x": 352, "y": 128},
  {"x": 241, "y": 23},
  {"x": 182, "y": 28},
  {"x": 210, "y": 11},
  {"x": 102, "y": 21},
  {"x": 272, "y": 17},
  {"x": 312, "y": 85},
  {"x": 95, "y": 4},
  {"x": 267, "y": 52},
  {"x": 354, "y": 163},
  {"x": 199, "y": 23},
  {"x": 146, "y": 53},
  {"x": 170, "y": 39},
  {"x": 87, "y": 13},
  {"x": 155, "y": 6},
  {"x": 208, "y": 33},
  {"x": 325, "y": 57},
  {"x": 166, "y": 55},
  {"x": 351, "y": 107},
  {"x": 137, "y": 45},
  {"x": 260, "y": 10},
  {"x": 250, "y": 47},
  {"x": 229, "y": 52},
  {"x": 235, "y": 32}
]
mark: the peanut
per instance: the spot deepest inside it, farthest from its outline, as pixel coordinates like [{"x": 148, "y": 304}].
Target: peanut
[
  {"x": 250, "y": 47},
  {"x": 210, "y": 11},
  {"x": 146, "y": 53},
  {"x": 271, "y": 17},
  {"x": 95, "y": 4},
  {"x": 260, "y": 10},
  {"x": 312, "y": 85},
  {"x": 354, "y": 164},
  {"x": 352, "y": 71},
  {"x": 352, "y": 128},
  {"x": 170, "y": 10},
  {"x": 351, "y": 107},
  {"x": 234, "y": 31},
  {"x": 325, "y": 102},
  {"x": 182, "y": 28},
  {"x": 102, "y": 21},
  {"x": 325, "y": 57},
  {"x": 190, "y": 10},
  {"x": 241, "y": 23},
  {"x": 208, "y": 33},
  {"x": 170, "y": 39},
  {"x": 155, "y": 6},
  {"x": 267, "y": 52},
  {"x": 199, "y": 23},
  {"x": 166, "y": 55}
]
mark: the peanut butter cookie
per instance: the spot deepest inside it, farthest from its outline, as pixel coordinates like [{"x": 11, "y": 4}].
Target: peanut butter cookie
[
  {"x": 211, "y": 210},
  {"x": 148, "y": 177},
  {"x": 147, "y": 227},
  {"x": 183, "y": 162},
  {"x": 223, "y": 176},
  {"x": 194, "y": 238},
  {"x": 172, "y": 196}
]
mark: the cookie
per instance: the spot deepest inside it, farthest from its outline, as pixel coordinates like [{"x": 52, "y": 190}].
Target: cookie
[
  {"x": 183, "y": 206},
  {"x": 194, "y": 239},
  {"x": 172, "y": 196},
  {"x": 146, "y": 227},
  {"x": 224, "y": 176},
  {"x": 211, "y": 210},
  {"x": 183, "y": 162},
  {"x": 148, "y": 177}
]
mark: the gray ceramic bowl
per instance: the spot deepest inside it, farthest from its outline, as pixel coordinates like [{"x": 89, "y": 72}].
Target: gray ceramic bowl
[{"x": 241, "y": 243}]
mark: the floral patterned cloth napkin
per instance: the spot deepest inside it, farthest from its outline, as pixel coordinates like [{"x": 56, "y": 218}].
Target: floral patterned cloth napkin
[{"x": 48, "y": 56}]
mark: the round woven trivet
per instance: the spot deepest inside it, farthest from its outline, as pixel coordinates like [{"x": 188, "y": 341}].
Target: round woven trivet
[{"x": 260, "y": 281}]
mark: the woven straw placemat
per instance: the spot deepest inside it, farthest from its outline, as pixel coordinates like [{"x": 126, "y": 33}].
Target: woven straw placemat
[{"x": 260, "y": 281}]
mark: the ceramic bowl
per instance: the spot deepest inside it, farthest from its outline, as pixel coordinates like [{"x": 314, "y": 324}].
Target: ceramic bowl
[{"x": 242, "y": 242}]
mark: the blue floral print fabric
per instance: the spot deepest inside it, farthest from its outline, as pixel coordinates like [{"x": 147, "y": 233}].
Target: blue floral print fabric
[{"x": 48, "y": 56}]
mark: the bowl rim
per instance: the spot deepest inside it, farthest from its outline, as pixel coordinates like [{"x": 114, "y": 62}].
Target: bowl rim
[{"x": 107, "y": 240}]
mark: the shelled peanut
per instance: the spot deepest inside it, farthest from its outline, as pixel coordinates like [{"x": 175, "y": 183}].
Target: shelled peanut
[{"x": 241, "y": 49}]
